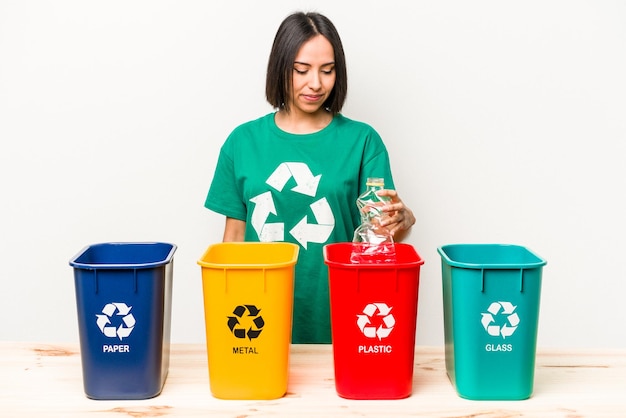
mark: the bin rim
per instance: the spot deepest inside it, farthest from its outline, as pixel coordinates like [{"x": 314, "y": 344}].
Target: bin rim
[
  {"x": 418, "y": 262},
  {"x": 480, "y": 266},
  {"x": 231, "y": 266},
  {"x": 92, "y": 266}
]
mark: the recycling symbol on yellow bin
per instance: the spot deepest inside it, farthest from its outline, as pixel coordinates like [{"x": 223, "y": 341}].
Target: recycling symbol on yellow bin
[
  {"x": 306, "y": 184},
  {"x": 251, "y": 329},
  {"x": 500, "y": 319}
]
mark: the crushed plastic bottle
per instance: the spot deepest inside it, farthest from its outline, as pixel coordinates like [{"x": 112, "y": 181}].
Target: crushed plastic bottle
[{"x": 372, "y": 242}]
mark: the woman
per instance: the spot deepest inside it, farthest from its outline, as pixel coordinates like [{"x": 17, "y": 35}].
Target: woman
[{"x": 294, "y": 175}]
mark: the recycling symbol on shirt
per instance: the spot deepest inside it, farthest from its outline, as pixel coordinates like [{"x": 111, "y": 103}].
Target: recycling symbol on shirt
[
  {"x": 306, "y": 184},
  {"x": 254, "y": 327},
  {"x": 500, "y": 319},
  {"x": 116, "y": 311},
  {"x": 376, "y": 321}
]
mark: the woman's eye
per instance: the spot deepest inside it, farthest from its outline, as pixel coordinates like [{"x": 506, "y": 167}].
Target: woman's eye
[{"x": 299, "y": 71}]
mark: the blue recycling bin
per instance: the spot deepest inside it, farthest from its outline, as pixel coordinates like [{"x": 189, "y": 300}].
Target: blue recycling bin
[{"x": 124, "y": 300}]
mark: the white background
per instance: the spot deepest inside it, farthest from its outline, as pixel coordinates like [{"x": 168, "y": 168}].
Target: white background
[{"x": 505, "y": 121}]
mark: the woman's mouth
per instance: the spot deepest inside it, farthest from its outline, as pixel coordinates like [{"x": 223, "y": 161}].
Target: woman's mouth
[{"x": 312, "y": 97}]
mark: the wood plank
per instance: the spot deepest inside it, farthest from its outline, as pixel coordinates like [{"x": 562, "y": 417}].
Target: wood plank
[{"x": 44, "y": 380}]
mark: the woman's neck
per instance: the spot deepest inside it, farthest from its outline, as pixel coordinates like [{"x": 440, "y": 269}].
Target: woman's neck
[{"x": 302, "y": 123}]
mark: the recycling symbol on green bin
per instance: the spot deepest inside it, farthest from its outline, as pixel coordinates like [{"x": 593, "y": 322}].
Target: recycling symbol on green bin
[
  {"x": 249, "y": 325},
  {"x": 500, "y": 319}
]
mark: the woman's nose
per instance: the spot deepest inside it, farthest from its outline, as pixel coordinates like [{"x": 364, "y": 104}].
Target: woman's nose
[{"x": 315, "y": 82}]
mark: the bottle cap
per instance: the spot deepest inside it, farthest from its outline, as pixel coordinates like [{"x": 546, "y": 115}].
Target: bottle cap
[{"x": 375, "y": 181}]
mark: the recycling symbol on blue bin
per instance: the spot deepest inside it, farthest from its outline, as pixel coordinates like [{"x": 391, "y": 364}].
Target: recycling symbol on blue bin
[
  {"x": 252, "y": 325},
  {"x": 116, "y": 320}
]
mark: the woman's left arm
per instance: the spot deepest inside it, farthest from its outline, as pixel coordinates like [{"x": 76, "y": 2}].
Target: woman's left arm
[{"x": 400, "y": 218}]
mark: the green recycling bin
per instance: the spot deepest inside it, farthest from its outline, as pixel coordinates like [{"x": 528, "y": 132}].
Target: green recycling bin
[{"x": 491, "y": 295}]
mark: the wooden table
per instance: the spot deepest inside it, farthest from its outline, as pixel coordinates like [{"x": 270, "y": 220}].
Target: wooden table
[{"x": 42, "y": 380}]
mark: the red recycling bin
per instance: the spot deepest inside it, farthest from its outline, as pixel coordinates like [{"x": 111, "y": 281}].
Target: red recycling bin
[{"x": 373, "y": 319}]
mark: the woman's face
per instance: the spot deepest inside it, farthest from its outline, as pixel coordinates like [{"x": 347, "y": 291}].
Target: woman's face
[{"x": 313, "y": 75}]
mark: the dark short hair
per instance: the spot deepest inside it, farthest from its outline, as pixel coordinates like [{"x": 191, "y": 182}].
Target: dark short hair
[{"x": 293, "y": 32}]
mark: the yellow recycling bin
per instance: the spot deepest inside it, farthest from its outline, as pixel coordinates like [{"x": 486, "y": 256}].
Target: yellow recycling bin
[{"x": 248, "y": 303}]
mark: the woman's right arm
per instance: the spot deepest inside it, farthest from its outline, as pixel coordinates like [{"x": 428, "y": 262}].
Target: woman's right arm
[{"x": 234, "y": 230}]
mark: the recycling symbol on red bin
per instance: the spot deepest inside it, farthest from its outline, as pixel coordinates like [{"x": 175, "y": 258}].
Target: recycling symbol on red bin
[
  {"x": 113, "y": 311},
  {"x": 500, "y": 319},
  {"x": 254, "y": 327},
  {"x": 376, "y": 321}
]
